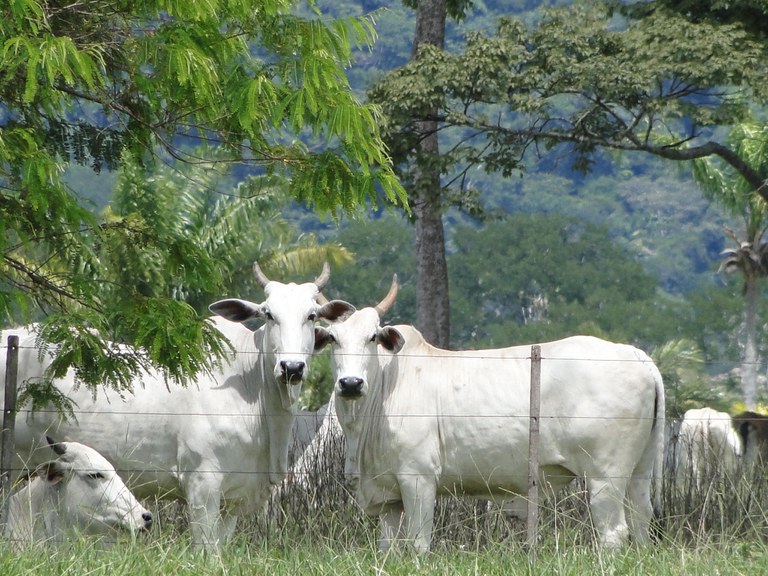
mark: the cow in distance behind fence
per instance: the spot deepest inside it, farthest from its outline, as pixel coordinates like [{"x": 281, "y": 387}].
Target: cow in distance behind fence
[
  {"x": 79, "y": 492},
  {"x": 420, "y": 421},
  {"x": 707, "y": 444},
  {"x": 221, "y": 443}
]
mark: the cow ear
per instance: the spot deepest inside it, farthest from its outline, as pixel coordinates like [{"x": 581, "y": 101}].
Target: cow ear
[
  {"x": 336, "y": 311},
  {"x": 322, "y": 338},
  {"x": 237, "y": 310},
  {"x": 51, "y": 472},
  {"x": 391, "y": 339},
  {"x": 60, "y": 449}
]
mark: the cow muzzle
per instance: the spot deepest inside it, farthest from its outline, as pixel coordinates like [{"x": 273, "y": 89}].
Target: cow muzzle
[
  {"x": 350, "y": 386},
  {"x": 292, "y": 371}
]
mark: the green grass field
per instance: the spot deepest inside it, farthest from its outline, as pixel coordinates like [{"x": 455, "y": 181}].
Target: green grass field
[
  {"x": 719, "y": 529},
  {"x": 310, "y": 556}
]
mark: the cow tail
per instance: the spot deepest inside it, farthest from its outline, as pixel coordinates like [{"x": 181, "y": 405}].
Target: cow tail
[{"x": 658, "y": 442}]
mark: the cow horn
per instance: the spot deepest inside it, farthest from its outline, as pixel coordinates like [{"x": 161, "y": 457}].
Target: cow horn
[
  {"x": 261, "y": 278},
  {"x": 325, "y": 275},
  {"x": 384, "y": 306},
  {"x": 60, "y": 449},
  {"x": 321, "y": 299}
]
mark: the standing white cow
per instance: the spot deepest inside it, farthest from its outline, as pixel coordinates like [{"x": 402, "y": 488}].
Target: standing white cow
[
  {"x": 421, "y": 421},
  {"x": 222, "y": 442},
  {"x": 78, "y": 492},
  {"x": 706, "y": 442}
]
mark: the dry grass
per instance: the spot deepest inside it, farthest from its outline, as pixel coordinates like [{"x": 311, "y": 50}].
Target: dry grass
[{"x": 724, "y": 508}]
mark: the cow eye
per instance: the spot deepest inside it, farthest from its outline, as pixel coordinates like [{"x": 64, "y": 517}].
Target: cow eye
[
  {"x": 268, "y": 315},
  {"x": 373, "y": 338},
  {"x": 312, "y": 317},
  {"x": 95, "y": 475}
]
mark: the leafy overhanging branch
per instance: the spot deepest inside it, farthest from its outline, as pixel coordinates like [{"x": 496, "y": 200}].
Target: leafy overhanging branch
[
  {"x": 584, "y": 79},
  {"x": 87, "y": 82}
]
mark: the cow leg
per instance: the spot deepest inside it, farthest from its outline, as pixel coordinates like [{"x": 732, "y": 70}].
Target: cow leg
[
  {"x": 639, "y": 510},
  {"x": 203, "y": 492},
  {"x": 606, "y": 504},
  {"x": 227, "y": 525},
  {"x": 419, "y": 494},
  {"x": 390, "y": 525}
]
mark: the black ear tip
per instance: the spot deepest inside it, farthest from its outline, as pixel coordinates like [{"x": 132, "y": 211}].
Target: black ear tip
[{"x": 57, "y": 447}]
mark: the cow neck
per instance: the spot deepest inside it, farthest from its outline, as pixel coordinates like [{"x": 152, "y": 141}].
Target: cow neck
[
  {"x": 251, "y": 363},
  {"x": 35, "y": 512},
  {"x": 277, "y": 420},
  {"x": 379, "y": 382}
]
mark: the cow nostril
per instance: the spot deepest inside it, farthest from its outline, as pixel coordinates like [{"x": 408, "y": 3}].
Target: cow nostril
[
  {"x": 350, "y": 385},
  {"x": 292, "y": 369}
]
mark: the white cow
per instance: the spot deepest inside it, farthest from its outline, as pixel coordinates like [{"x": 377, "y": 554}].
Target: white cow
[
  {"x": 78, "y": 492},
  {"x": 420, "y": 422},
  {"x": 222, "y": 442},
  {"x": 706, "y": 442}
]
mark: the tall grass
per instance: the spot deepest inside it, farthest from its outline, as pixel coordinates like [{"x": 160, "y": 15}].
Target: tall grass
[{"x": 717, "y": 527}]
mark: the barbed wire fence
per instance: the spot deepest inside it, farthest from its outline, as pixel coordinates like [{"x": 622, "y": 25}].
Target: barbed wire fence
[{"x": 724, "y": 505}]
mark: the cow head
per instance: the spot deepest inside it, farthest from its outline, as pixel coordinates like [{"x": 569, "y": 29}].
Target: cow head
[
  {"x": 289, "y": 314},
  {"x": 354, "y": 344},
  {"x": 90, "y": 493}
]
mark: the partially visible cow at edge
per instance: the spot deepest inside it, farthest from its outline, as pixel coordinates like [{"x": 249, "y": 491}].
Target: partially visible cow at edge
[
  {"x": 706, "y": 443},
  {"x": 753, "y": 430},
  {"x": 421, "y": 422},
  {"x": 78, "y": 492},
  {"x": 221, "y": 443}
]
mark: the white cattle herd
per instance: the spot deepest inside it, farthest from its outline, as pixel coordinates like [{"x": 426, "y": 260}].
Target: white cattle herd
[{"x": 419, "y": 422}]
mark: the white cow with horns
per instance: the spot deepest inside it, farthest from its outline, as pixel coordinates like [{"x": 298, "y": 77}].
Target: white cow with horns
[
  {"x": 420, "y": 422},
  {"x": 78, "y": 492},
  {"x": 220, "y": 443}
]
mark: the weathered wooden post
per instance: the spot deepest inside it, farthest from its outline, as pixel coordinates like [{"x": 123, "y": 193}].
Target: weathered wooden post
[
  {"x": 532, "y": 519},
  {"x": 7, "y": 447}
]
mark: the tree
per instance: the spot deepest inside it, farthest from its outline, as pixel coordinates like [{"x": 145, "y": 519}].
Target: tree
[
  {"x": 422, "y": 175},
  {"x": 582, "y": 79},
  {"x": 432, "y": 306},
  {"x": 85, "y": 82},
  {"x": 194, "y": 234},
  {"x": 656, "y": 86},
  {"x": 750, "y": 256}
]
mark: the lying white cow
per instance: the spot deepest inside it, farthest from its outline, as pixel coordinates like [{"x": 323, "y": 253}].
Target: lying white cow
[
  {"x": 78, "y": 492},
  {"x": 706, "y": 442},
  {"x": 420, "y": 422},
  {"x": 222, "y": 442}
]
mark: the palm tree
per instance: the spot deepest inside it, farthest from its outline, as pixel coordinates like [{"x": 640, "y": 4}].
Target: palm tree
[
  {"x": 203, "y": 233},
  {"x": 750, "y": 254}
]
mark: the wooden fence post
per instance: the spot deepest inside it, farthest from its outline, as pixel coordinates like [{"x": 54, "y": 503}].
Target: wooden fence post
[
  {"x": 7, "y": 448},
  {"x": 532, "y": 519}
]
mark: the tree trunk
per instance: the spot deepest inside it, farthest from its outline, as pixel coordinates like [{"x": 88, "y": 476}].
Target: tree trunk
[
  {"x": 432, "y": 303},
  {"x": 749, "y": 362}
]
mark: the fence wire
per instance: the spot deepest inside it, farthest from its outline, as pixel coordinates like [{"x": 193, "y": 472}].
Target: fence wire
[{"x": 718, "y": 504}]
